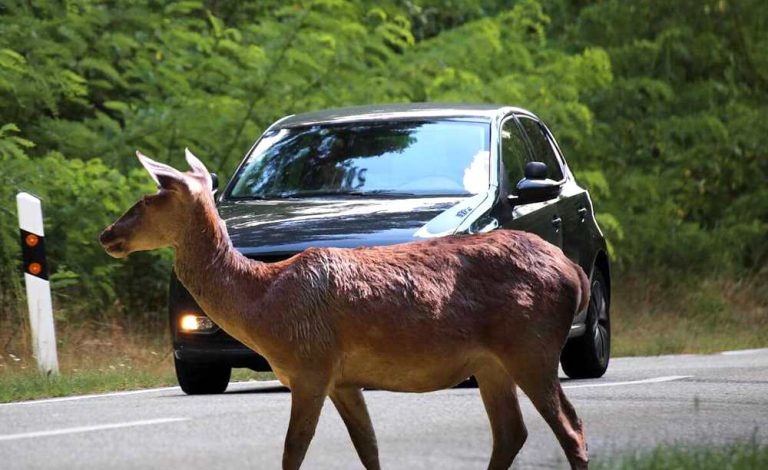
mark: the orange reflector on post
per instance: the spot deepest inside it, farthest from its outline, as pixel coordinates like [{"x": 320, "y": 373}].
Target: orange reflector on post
[
  {"x": 35, "y": 268},
  {"x": 39, "y": 302},
  {"x": 31, "y": 240}
]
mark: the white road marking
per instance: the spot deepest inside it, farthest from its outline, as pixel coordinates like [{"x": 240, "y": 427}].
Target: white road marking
[
  {"x": 85, "y": 397},
  {"x": 79, "y": 429},
  {"x": 740, "y": 352},
  {"x": 654, "y": 380},
  {"x": 266, "y": 383}
]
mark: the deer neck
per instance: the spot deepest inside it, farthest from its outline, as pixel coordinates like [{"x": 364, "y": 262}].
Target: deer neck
[{"x": 226, "y": 284}]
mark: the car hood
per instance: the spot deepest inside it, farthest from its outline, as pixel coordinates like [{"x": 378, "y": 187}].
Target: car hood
[{"x": 291, "y": 225}]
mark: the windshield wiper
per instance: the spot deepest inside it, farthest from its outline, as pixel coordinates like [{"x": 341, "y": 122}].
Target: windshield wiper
[
  {"x": 375, "y": 193},
  {"x": 302, "y": 194},
  {"x": 309, "y": 194}
]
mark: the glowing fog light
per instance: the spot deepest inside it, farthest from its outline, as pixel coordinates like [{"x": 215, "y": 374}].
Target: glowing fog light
[{"x": 196, "y": 323}]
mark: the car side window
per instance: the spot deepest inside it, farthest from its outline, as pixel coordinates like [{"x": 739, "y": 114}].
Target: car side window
[
  {"x": 542, "y": 147},
  {"x": 514, "y": 152}
]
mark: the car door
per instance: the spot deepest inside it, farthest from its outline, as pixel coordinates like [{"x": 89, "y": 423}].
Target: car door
[
  {"x": 573, "y": 205},
  {"x": 540, "y": 218},
  {"x": 581, "y": 235}
]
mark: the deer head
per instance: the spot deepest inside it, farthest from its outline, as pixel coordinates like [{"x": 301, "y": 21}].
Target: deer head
[{"x": 158, "y": 220}]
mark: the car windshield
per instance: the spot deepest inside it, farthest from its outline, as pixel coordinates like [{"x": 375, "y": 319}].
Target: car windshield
[{"x": 395, "y": 158}]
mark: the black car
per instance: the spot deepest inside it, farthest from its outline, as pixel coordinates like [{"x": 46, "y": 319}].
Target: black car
[{"x": 379, "y": 175}]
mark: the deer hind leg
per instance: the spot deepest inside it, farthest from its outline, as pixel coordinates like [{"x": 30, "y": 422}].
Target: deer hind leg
[
  {"x": 542, "y": 386},
  {"x": 570, "y": 414},
  {"x": 351, "y": 406},
  {"x": 306, "y": 403},
  {"x": 499, "y": 394}
]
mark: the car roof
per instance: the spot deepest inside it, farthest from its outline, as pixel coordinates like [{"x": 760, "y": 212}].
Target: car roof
[{"x": 381, "y": 112}]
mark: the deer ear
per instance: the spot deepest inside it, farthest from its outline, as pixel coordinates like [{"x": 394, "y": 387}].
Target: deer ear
[
  {"x": 165, "y": 176},
  {"x": 198, "y": 168}
]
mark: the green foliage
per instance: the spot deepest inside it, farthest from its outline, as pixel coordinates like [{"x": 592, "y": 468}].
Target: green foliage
[
  {"x": 89, "y": 195},
  {"x": 659, "y": 106},
  {"x": 680, "y": 130}
]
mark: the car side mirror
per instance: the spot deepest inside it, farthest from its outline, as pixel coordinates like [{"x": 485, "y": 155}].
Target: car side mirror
[
  {"x": 535, "y": 171},
  {"x": 214, "y": 182},
  {"x": 535, "y": 187}
]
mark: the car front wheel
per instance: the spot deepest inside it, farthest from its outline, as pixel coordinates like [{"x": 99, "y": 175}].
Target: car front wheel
[
  {"x": 587, "y": 356},
  {"x": 202, "y": 379}
]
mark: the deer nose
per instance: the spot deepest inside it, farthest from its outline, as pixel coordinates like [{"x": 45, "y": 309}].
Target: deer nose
[{"x": 108, "y": 235}]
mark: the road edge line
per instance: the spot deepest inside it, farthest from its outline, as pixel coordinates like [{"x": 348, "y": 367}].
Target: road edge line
[
  {"x": 268, "y": 383},
  {"x": 93, "y": 428},
  {"x": 654, "y": 380}
]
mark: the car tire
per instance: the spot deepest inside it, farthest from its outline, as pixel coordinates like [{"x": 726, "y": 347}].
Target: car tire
[
  {"x": 202, "y": 379},
  {"x": 587, "y": 356}
]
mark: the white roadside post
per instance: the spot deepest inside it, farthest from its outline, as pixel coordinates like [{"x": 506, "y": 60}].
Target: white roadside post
[{"x": 36, "y": 280}]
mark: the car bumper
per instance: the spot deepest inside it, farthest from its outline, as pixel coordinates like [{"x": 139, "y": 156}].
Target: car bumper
[{"x": 231, "y": 356}]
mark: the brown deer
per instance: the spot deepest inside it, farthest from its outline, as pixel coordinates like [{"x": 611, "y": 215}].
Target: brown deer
[{"x": 414, "y": 317}]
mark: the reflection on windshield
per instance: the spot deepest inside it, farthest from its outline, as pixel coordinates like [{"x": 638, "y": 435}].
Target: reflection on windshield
[
  {"x": 476, "y": 175},
  {"x": 380, "y": 159}
]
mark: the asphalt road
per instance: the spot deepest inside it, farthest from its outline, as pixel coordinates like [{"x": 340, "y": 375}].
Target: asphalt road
[{"x": 641, "y": 402}]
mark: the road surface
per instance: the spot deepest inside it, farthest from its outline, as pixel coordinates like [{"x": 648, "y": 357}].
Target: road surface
[{"x": 641, "y": 402}]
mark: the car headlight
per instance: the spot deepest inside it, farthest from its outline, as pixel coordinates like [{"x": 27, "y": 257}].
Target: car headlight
[{"x": 196, "y": 323}]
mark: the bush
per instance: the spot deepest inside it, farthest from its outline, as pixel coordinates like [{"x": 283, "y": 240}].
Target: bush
[{"x": 663, "y": 118}]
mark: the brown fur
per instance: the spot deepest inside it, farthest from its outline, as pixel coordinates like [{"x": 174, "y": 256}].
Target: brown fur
[{"x": 413, "y": 317}]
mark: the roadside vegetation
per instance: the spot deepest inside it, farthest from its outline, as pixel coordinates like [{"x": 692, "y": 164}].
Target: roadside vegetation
[
  {"x": 660, "y": 107},
  {"x": 692, "y": 316},
  {"x": 93, "y": 358},
  {"x": 736, "y": 456},
  {"x": 25, "y": 383}
]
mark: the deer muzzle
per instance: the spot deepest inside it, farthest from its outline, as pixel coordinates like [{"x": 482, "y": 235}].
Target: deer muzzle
[{"x": 113, "y": 244}]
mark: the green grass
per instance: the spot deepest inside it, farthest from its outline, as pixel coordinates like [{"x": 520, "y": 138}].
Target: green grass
[
  {"x": 93, "y": 358},
  {"x": 651, "y": 317},
  {"x": 739, "y": 456},
  {"x": 30, "y": 385}
]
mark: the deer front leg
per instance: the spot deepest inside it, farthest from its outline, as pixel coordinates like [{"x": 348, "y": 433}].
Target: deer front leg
[
  {"x": 499, "y": 394},
  {"x": 306, "y": 403},
  {"x": 351, "y": 406}
]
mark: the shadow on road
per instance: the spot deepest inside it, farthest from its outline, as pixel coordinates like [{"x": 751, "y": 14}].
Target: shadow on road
[
  {"x": 271, "y": 389},
  {"x": 469, "y": 383}
]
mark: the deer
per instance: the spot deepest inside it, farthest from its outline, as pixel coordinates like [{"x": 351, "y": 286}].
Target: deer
[{"x": 413, "y": 317}]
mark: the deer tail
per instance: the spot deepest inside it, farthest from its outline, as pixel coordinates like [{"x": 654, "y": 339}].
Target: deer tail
[{"x": 585, "y": 289}]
